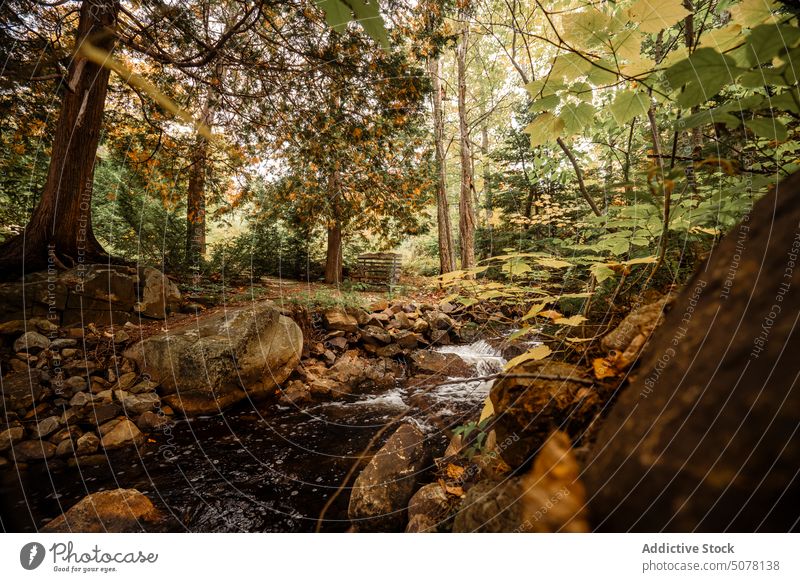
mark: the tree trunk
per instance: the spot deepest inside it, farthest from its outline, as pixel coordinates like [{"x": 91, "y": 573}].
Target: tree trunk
[
  {"x": 333, "y": 258},
  {"x": 447, "y": 261},
  {"x": 579, "y": 175},
  {"x": 705, "y": 436},
  {"x": 196, "y": 197},
  {"x": 466, "y": 208},
  {"x": 61, "y": 224}
]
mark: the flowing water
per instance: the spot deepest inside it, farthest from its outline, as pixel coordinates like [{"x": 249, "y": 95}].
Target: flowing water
[{"x": 262, "y": 467}]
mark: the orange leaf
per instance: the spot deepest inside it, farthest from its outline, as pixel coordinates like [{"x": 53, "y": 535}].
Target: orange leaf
[
  {"x": 551, "y": 313},
  {"x": 603, "y": 368}
]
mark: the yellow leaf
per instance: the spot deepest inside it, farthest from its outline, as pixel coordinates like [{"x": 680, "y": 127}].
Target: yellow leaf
[
  {"x": 656, "y": 15},
  {"x": 551, "y": 314},
  {"x": 537, "y": 353},
  {"x": 603, "y": 369},
  {"x": 454, "y": 471},
  {"x": 752, "y": 12},
  {"x": 553, "y": 263},
  {"x": 574, "y": 320},
  {"x": 488, "y": 410}
]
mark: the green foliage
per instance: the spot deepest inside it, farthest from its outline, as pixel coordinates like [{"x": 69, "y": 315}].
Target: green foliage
[{"x": 474, "y": 436}]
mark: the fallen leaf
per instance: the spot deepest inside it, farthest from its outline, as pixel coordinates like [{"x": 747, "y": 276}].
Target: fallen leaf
[
  {"x": 603, "y": 368},
  {"x": 454, "y": 471},
  {"x": 536, "y": 353},
  {"x": 574, "y": 320},
  {"x": 551, "y": 313}
]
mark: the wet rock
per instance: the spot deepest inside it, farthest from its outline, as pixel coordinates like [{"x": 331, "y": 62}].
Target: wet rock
[
  {"x": 204, "y": 367},
  {"x": 149, "y": 420},
  {"x": 87, "y": 444},
  {"x": 121, "y": 337},
  {"x": 297, "y": 392},
  {"x": 375, "y": 335},
  {"x": 80, "y": 399},
  {"x": 402, "y": 319},
  {"x": 70, "y": 432},
  {"x": 116, "y": 511},
  {"x": 339, "y": 320},
  {"x": 527, "y": 409},
  {"x": 64, "y": 448},
  {"x": 124, "y": 434},
  {"x": 439, "y": 320},
  {"x": 381, "y": 492},
  {"x": 46, "y": 426},
  {"x": 75, "y": 383},
  {"x": 134, "y": 404},
  {"x": 127, "y": 380},
  {"x": 31, "y": 342},
  {"x": 33, "y": 450},
  {"x": 97, "y": 414},
  {"x": 440, "y": 337},
  {"x": 11, "y": 436},
  {"x": 429, "y": 510},
  {"x": 359, "y": 374},
  {"x": 440, "y": 364}
]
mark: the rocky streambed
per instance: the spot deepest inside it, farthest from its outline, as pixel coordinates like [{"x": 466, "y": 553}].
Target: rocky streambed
[{"x": 274, "y": 451}]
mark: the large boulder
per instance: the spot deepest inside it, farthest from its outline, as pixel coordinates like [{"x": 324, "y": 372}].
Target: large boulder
[
  {"x": 380, "y": 495},
  {"x": 544, "y": 396},
  {"x": 208, "y": 364},
  {"x": 705, "y": 436},
  {"x": 123, "y": 434},
  {"x": 115, "y": 511}
]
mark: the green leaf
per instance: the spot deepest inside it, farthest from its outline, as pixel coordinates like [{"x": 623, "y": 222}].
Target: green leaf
[
  {"x": 516, "y": 267},
  {"x": 368, "y": 15},
  {"x": 762, "y": 77},
  {"x": 569, "y": 66},
  {"x": 767, "y": 40},
  {"x": 545, "y": 104},
  {"x": 656, "y": 15},
  {"x": 601, "y": 272},
  {"x": 337, "y": 14},
  {"x": 767, "y": 128},
  {"x": 546, "y": 127},
  {"x": 543, "y": 87},
  {"x": 704, "y": 66},
  {"x": 577, "y": 117},
  {"x": 553, "y": 263},
  {"x": 629, "y": 104},
  {"x": 588, "y": 27},
  {"x": 602, "y": 72},
  {"x": 707, "y": 117}
]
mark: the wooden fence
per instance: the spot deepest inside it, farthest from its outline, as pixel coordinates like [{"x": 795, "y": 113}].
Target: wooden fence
[{"x": 377, "y": 268}]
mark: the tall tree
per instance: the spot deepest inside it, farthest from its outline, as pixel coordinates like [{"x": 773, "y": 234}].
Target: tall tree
[
  {"x": 447, "y": 261},
  {"x": 466, "y": 206}
]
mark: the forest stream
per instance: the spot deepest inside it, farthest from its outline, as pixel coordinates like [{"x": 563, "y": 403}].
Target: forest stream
[{"x": 263, "y": 467}]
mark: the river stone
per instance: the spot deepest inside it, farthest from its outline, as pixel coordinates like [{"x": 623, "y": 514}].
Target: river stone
[
  {"x": 134, "y": 404},
  {"x": 440, "y": 364},
  {"x": 339, "y": 320},
  {"x": 34, "y": 450},
  {"x": 150, "y": 420},
  {"x": 380, "y": 494},
  {"x": 206, "y": 365},
  {"x": 116, "y": 511},
  {"x": 429, "y": 509},
  {"x": 21, "y": 389},
  {"x": 46, "y": 426},
  {"x": 528, "y": 408},
  {"x": 87, "y": 444},
  {"x": 11, "y": 436},
  {"x": 31, "y": 342},
  {"x": 123, "y": 434},
  {"x": 439, "y": 320}
]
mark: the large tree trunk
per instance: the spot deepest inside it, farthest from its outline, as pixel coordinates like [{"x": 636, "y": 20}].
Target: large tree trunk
[
  {"x": 61, "y": 225},
  {"x": 333, "y": 259},
  {"x": 466, "y": 208},
  {"x": 447, "y": 260},
  {"x": 705, "y": 436},
  {"x": 196, "y": 197}
]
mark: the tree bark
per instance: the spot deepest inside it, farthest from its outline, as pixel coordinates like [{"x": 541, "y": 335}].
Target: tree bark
[
  {"x": 333, "y": 258},
  {"x": 579, "y": 175},
  {"x": 447, "y": 261},
  {"x": 196, "y": 196},
  {"x": 466, "y": 208},
  {"x": 60, "y": 227}
]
